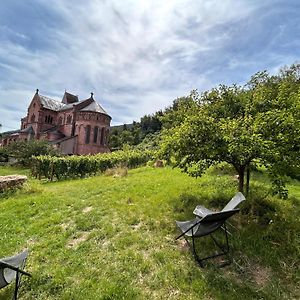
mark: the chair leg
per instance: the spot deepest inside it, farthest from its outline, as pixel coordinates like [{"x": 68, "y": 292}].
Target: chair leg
[
  {"x": 16, "y": 286},
  {"x": 223, "y": 251},
  {"x": 18, "y": 281},
  {"x": 199, "y": 261}
]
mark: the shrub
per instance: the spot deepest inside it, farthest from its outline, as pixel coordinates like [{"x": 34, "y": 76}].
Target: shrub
[
  {"x": 80, "y": 166},
  {"x": 24, "y": 150}
]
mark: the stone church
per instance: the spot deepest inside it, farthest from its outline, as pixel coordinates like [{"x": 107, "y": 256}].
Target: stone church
[{"x": 72, "y": 126}]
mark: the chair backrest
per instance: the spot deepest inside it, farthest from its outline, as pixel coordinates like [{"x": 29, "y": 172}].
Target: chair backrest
[
  {"x": 7, "y": 275},
  {"x": 219, "y": 217},
  {"x": 234, "y": 202},
  {"x": 212, "y": 222}
]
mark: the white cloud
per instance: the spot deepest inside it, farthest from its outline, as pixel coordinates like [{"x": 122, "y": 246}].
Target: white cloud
[{"x": 136, "y": 56}]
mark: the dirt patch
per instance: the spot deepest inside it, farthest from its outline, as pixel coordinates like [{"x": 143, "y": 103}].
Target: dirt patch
[
  {"x": 87, "y": 209},
  {"x": 117, "y": 172},
  {"x": 250, "y": 271},
  {"x": 260, "y": 275},
  {"x": 233, "y": 275},
  {"x": 159, "y": 164},
  {"x": 74, "y": 243}
]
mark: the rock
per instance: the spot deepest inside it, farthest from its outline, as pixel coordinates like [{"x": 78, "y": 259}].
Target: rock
[
  {"x": 159, "y": 164},
  {"x": 11, "y": 181}
]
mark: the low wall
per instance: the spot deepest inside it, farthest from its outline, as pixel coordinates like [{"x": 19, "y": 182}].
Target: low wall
[{"x": 11, "y": 181}]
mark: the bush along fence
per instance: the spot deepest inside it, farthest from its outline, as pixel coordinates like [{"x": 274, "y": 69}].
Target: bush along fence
[{"x": 52, "y": 167}]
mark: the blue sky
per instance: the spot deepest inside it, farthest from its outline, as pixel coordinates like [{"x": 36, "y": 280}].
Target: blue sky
[{"x": 137, "y": 56}]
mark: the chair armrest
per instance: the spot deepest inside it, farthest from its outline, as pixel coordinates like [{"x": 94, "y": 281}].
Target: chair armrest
[{"x": 6, "y": 265}]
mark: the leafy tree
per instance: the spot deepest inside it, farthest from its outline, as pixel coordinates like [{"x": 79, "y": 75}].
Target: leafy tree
[
  {"x": 176, "y": 113},
  {"x": 243, "y": 126},
  {"x": 134, "y": 134},
  {"x": 150, "y": 123},
  {"x": 24, "y": 150}
]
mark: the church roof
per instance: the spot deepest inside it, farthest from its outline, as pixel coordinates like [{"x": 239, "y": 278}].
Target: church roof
[
  {"x": 51, "y": 103},
  {"x": 94, "y": 107},
  {"x": 53, "y": 128},
  {"x": 69, "y": 98},
  {"x": 70, "y": 105},
  {"x": 84, "y": 105},
  {"x": 63, "y": 139},
  {"x": 27, "y": 130}
]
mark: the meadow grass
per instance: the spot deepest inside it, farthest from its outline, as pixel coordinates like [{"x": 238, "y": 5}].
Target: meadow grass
[{"x": 113, "y": 237}]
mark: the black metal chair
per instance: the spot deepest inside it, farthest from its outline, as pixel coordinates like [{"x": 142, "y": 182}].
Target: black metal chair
[
  {"x": 206, "y": 223},
  {"x": 11, "y": 268}
]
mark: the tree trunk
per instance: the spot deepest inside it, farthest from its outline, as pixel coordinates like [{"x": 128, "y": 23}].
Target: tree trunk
[
  {"x": 248, "y": 180},
  {"x": 241, "y": 178}
]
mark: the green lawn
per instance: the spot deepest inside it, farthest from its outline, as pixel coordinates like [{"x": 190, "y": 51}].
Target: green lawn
[{"x": 109, "y": 237}]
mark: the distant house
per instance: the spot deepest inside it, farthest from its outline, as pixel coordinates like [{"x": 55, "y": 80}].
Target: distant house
[{"x": 73, "y": 126}]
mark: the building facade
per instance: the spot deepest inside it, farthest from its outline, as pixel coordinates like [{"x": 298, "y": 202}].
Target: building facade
[{"x": 72, "y": 126}]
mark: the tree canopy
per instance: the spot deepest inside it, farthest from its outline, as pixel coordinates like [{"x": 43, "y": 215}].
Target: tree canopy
[{"x": 244, "y": 126}]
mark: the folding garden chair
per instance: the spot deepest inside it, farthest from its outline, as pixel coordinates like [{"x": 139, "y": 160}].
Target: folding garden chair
[
  {"x": 207, "y": 225},
  {"x": 12, "y": 268},
  {"x": 202, "y": 211}
]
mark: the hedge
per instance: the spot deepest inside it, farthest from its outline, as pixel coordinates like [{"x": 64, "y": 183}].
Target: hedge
[{"x": 52, "y": 167}]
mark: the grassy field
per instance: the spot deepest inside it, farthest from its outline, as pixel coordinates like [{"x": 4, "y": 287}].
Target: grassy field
[{"x": 109, "y": 237}]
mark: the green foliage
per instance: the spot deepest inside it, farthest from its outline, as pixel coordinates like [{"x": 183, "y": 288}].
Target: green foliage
[
  {"x": 174, "y": 116},
  {"x": 150, "y": 142},
  {"x": 243, "y": 126},
  {"x": 24, "y": 150},
  {"x": 135, "y": 133},
  {"x": 79, "y": 166},
  {"x": 3, "y": 155},
  {"x": 150, "y": 123}
]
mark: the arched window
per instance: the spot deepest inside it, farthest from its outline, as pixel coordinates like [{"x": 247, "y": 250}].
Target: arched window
[
  {"x": 32, "y": 119},
  {"x": 87, "y": 134},
  {"x": 69, "y": 119},
  {"x": 96, "y": 129},
  {"x": 48, "y": 119},
  {"x": 106, "y": 136},
  {"x": 60, "y": 120},
  {"x": 102, "y": 139}
]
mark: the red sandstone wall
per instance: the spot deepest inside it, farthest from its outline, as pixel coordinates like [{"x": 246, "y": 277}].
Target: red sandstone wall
[
  {"x": 43, "y": 124},
  {"x": 65, "y": 117},
  {"x": 52, "y": 136},
  {"x": 33, "y": 115},
  {"x": 93, "y": 120},
  {"x": 36, "y": 117}
]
